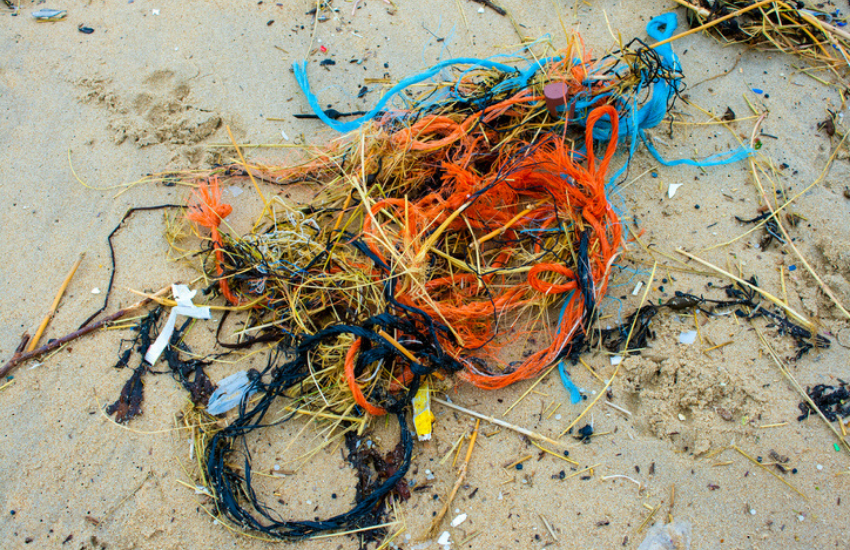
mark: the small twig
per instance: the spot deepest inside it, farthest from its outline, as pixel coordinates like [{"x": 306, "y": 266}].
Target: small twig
[
  {"x": 525, "y": 394},
  {"x": 621, "y": 409},
  {"x": 496, "y": 8},
  {"x": 621, "y": 476},
  {"x": 548, "y": 528},
  {"x": 502, "y": 423},
  {"x": 55, "y": 305},
  {"x": 19, "y": 358},
  {"x": 768, "y": 470},
  {"x": 649, "y": 517},
  {"x": 553, "y": 453},
  {"x": 435, "y": 525}
]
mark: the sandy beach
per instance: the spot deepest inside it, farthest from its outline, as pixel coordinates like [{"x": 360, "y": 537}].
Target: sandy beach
[{"x": 153, "y": 90}]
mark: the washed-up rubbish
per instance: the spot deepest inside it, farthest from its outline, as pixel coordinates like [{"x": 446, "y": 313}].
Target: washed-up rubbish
[
  {"x": 46, "y": 15},
  {"x": 230, "y": 392},
  {"x": 183, "y": 296},
  {"x": 806, "y": 30},
  {"x": 668, "y": 536},
  {"x": 441, "y": 231}
]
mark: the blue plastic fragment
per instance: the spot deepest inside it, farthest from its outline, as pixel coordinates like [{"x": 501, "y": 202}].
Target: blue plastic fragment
[
  {"x": 792, "y": 268},
  {"x": 758, "y": 91},
  {"x": 575, "y": 394}
]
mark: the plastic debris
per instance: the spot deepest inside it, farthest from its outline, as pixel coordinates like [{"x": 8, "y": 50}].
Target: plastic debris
[
  {"x": 672, "y": 188},
  {"x": 575, "y": 393},
  {"x": 445, "y": 539},
  {"x": 422, "y": 415},
  {"x": 688, "y": 337},
  {"x": 459, "y": 519},
  {"x": 229, "y": 393},
  {"x": 672, "y": 536},
  {"x": 46, "y": 14},
  {"x": 183, "y": 296}
]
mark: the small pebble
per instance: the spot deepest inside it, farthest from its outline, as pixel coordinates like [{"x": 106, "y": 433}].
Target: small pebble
[{"x": 558, "y": 417}]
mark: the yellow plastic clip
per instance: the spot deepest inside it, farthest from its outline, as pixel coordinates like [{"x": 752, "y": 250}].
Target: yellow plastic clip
[{"x": 422, "y": 415}]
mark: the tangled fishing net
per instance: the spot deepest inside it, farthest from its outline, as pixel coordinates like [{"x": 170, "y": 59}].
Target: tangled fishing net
[{"x": 444, "y": 234}]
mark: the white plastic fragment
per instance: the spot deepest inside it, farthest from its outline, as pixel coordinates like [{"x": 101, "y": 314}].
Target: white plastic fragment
[
  {"x": 673, "y": 536},
  {"x": 480, "y": 10},
  {"x": 638, "y": 286},
  {"x": 445, "y": 539},
  {"x": 283, "y": 134},
  {"x": 229, "y": 393},
  {"x": 155, "y": 11},
  {"x": 688, "y": 337},
  {"x": 616, "y": 360},
  {"x": 95, "y": 290},
  {"x": 235, "y": 191},
  {"x": 183, "y": 296},
  {"x": 46, "y": 14},
  {"x": 459, "y": 519},
  {"x": 672, "y": 188}
]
